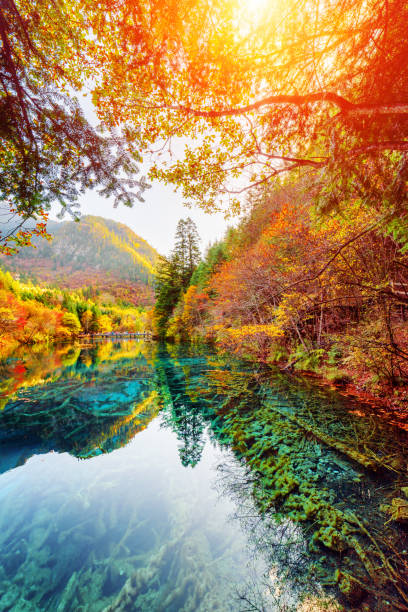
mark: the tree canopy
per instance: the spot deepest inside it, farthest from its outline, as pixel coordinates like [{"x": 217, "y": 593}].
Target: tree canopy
[
  {"x": 313, "y": 86},
  {"x": 49, "y": 152},
  {"x": 217, "y": 96}
]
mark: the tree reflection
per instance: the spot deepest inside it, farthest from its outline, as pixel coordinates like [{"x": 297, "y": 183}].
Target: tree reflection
[
  {"x": 287, "y": 575},
  {"x": 312, "y": 474},
  {"x": 309, "y": 495},
  {"x": 182, "y": 413},
  {"x": 82, "y": 401}
]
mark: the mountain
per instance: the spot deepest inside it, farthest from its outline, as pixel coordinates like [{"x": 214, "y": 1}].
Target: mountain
[{"x": 96, "y": 252}]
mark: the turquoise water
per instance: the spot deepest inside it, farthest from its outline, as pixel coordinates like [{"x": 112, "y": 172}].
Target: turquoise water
[{"x": 135, "y": 477}]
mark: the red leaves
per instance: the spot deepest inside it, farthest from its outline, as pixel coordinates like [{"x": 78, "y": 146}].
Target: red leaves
[
  {"x": 11, "y": 244},
  {"x": 19, "y": 369}
]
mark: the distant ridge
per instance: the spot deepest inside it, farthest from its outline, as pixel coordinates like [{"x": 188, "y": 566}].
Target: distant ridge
[{"x": 95, "y": 252}]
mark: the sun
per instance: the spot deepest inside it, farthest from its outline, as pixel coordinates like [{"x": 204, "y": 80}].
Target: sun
[
  {"x": 254, "y": 10},
  {"x": 256, "y": 6}
]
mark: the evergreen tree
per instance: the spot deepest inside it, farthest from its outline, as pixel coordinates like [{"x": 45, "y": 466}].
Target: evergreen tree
[
  {"x": 186, "y": 249},
  {"x": 174, "y": 273},
  {"x": 168, "y": 290},
  {"x": 69, "y": 303},
  {"x": 96, "y": 313},
  {"x": 215, "y": 255}
]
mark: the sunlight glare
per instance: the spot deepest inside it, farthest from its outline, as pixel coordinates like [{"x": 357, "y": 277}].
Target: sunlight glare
[
  {"x": 256, "y": 6},
  {"x": 254, "y": 10}
]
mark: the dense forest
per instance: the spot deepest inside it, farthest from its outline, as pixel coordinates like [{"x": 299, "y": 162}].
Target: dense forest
[
  {"x": 40, "y": 315},
  {"x": 289, "y": 287}
]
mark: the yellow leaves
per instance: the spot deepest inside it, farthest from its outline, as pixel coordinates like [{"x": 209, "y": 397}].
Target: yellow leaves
[
  {"x": 104, "y": 323},
  {"x": 291, "y": 307},
  {"x": 270, "y": 329}
]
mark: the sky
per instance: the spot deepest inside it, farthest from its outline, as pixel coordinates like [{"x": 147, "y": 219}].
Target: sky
[{"x": 156, "y": 219}]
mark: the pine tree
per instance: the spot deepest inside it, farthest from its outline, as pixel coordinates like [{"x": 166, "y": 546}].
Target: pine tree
[
  {"x": 215, "y": 255},
  {"x": 186, "y": 249},
  {"x": 174, "y": 273},
  {"x": 168, "y": 290},
  {"x": 96, "y": 313}
]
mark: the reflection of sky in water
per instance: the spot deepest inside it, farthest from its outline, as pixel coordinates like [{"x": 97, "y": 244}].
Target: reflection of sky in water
[
  {"x": 140, "y": 509},
  {"x": 82, "y": 528}
]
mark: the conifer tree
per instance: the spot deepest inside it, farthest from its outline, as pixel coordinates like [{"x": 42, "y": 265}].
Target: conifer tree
[
  {"x": 174, "y": 273},
  {"x": 168, "y": 291},
  {"x": 186, "y": 249}
]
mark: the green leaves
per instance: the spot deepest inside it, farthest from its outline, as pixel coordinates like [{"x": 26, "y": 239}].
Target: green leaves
[{"x": 48, "y": 151}]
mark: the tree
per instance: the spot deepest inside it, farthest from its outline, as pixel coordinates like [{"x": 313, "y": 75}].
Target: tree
[
  {"x": 71, "y": 322},
  {"x": 167, "y": 290},
  {"x": 298, "y": 288},
  {"x": 316, "y": 86},
  {"x": 86, "y": 320},
  {"x": 104, "y": 323},
  {"x": 96, "y": 313},
  {"x": 174, "y": 273},
  {"x": 186, "y": 250},
  {"x": 215, "y": 255},
  {"x": 187, "y": 317},
  {"x": 49, "y": 152}
]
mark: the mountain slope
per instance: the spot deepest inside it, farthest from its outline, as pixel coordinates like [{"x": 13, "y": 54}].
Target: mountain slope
[{"x": 95, "y": 252}]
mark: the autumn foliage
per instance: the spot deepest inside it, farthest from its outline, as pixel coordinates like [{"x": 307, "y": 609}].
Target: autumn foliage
[
  {"x": 319, "y": 294},
  {"x": 39, "y": 315}
]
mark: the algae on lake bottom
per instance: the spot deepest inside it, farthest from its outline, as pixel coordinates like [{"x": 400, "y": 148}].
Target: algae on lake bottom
[{"x": 317, "y": 486}]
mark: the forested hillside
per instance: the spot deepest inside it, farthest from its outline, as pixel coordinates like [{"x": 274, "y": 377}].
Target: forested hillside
[
  {"x": 96, "y": 252},
  {"x": 30, "y": 314},
  {"x": 310, "y": 293}
]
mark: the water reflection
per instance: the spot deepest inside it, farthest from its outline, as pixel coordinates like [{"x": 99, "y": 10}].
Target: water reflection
[
  {"x": 309, "y": 477},
  {"x": 332, "y": 468},
  {"x": 183, "y": 412},
  {"x": 83, "y": 401}
]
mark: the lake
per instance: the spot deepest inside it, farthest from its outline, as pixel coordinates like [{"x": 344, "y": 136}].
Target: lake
[{"x": 136, "y": 476}]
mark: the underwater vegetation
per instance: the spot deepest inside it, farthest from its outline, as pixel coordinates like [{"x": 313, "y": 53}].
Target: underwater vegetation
[
  {"x": 330, "y": 466},
  {"x": 127, "y": 534},
  {"x": 182, "y": 480}
]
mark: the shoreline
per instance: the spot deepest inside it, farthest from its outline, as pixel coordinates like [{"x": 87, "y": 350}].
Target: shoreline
[{"x": 387, "y": 406}]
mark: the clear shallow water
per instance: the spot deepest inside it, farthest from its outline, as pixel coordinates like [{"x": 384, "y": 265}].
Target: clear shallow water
[{"x": 140, "y": 477}]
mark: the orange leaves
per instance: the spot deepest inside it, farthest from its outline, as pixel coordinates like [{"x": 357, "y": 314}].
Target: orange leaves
[
  {"x": 25, "y": 321},
  {"x": 290, "y": 279},
  {"x": 10, "y": 245}
]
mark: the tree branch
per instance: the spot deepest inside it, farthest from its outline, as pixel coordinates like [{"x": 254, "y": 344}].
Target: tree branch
[
  {"x": 346, "y": 108},
  {"x": 296, "y": 100},
  {"x": 8, "y": 56},
  {"x": 334, "y": 256}
]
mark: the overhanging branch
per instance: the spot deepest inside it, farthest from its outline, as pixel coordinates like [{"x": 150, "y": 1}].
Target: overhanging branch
[{"x": 346, "y": 108}]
